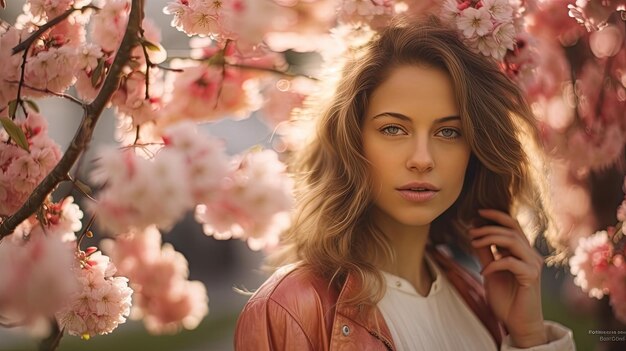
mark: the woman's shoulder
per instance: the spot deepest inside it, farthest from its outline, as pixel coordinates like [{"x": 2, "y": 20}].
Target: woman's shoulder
[
  {"x": 294, "y": 286},
  {"x": 293, "y": 309}
]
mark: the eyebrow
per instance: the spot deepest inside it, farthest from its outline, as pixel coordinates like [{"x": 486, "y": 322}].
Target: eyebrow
[{"x": 408, "y": 119}]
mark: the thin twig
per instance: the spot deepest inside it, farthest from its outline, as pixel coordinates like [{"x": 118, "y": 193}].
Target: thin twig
[
  {"x": 83, "y": 135},
  {"x": 53, "y": 22},
  {"x": 148, "y": 65},
  {"x": 168, "y": 68},
  {"x": 137, "y": 135},
  {"x": 85, "y": 231},
  {"x": 46, "y": 91},
  {"x": 141, "y": 145},
  {"x": 21, "y": 82},
  {"x": 52, "y": 342}
]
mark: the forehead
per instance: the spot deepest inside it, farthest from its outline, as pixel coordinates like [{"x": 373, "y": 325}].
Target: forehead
[{"x": 418, "y": 91}]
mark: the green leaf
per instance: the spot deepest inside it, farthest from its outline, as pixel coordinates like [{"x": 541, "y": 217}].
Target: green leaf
[
  {"x": 32, "y": 105},
  {"x": 217, "y": 59},
  {"x": 15, "y": 133},
  {"x": 97, "y": 73},
  {"x": 150, "y": 46},
  {"x": 12, "y": 108}
]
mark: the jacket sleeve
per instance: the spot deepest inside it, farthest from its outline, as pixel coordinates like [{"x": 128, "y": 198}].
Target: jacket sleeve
[
  {"x": 559, "y": 339},
  {"x": 266, "y": 325}
]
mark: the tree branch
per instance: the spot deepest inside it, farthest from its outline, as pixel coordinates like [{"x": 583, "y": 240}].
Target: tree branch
[
  {"x": 84, "y": 133},
  {"x": 52, "y": 341},
  {"x": 53, "y": 22}
]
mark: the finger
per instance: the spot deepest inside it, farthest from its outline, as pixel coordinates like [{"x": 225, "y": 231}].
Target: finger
[
  {"x": 499, "y": 217},
  {"x": 510, "y": 244},
  {"x": 494, "y": 229},
  {"x": 526, "y": 275},
  {"x": 485, "y": 256}
]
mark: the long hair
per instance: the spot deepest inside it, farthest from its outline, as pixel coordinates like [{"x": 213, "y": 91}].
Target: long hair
[{"x": 332, "y": 232}]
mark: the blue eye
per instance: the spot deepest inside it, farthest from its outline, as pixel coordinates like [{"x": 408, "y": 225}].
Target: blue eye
[
  {"x": 449, "y": 133},
  {"x": 392, "y": 130}
]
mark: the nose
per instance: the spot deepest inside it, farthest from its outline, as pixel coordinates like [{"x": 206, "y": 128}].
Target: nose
[{"x": 420, "y": 158}]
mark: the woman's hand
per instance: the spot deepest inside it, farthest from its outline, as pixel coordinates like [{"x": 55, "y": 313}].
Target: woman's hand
[{"x": 512, "y": 277}]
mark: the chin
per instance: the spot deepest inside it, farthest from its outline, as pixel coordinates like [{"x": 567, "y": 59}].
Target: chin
[{"x": 416, "y": 220}]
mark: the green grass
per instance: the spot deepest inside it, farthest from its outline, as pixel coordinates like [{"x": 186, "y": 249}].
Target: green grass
[{"x": 211, "y": 331}]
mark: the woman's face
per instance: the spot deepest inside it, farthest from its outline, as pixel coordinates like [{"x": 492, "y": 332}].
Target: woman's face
[{"x": 417, "y": 151}]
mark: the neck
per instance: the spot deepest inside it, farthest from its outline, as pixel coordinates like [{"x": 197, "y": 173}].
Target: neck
[{"x": 409, "y": 245}]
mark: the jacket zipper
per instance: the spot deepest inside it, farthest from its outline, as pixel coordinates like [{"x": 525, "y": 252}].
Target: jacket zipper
[{"x": 384, "y": 341}]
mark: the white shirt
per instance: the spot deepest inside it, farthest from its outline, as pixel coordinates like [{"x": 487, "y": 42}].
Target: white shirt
[{"x": 442, "y": 321}]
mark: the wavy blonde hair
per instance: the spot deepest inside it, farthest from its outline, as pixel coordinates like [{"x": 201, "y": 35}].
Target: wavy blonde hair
[{"x": 332, "y": 232}]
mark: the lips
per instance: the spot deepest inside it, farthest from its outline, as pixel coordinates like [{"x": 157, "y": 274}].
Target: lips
[
  {"x": 418, "y": 192},
  {"x": 418, "y": 186}
]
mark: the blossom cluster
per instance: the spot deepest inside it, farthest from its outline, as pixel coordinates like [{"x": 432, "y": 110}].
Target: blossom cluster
[
  {"x": 253, "y": 204},
  {"x": 101, "y": 303},
  {"x": 35, "y": 278},
  {"x": 598, "y": 264},
  {"x": 21, "y": 170},
  {"x": 243, "y": 20},
  {"x": 364, "y": 11},
  {"x": 220, "y": 80},
  {"x": 140, "y": 192},
  {"x": 53, "y": 61},
  {"x": 487, "y": 26},
  {"x": 36, "y": 266},
  {"x": 164, "y": 298},
  {"x": 249, "y": 194}
]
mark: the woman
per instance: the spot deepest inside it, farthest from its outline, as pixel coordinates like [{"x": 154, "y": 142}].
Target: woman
[{"x": 421, "y": 146}]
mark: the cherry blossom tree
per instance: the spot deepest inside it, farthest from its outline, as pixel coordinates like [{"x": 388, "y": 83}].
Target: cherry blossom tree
[{"x": 569, "y": 57}]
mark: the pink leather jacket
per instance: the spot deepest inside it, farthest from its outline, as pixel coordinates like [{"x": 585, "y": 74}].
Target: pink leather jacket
[{"x": 298, "y": 310}]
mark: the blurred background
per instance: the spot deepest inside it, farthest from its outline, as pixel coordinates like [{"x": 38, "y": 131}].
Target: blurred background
[{"x": 225, "y": 265}]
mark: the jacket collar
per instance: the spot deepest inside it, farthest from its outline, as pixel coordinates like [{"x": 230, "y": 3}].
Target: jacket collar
[
  {"x": 368, "y": 318},
  {"x": 467, "y": 286}
]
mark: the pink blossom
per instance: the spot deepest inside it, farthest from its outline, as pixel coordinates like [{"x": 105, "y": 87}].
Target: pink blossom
[
  {"x": 84, "y": 87},
  {"x": 87, "y": 57},
  {"x": 593, "y": 14},
  {"x": 205, "y": 158},
  {"x": 193, "y": 17},
  {"x": 165, "y": 300},
  {"x": 35, "y": 277},
  {"x": 22, "y": 171},
  {"x": 139, "y": 192},
  {"x": 204, "y": 93},
  {"x": 241, "y": 20},
  {"x": 247, "y": 21},
  {"x": 584, "y": 146},
  {"x": 10, "y": 67},
  {"x": 45, "y": 9},
  {"x": 551, "y": 22},
  {"x": 474, "y": 22},
  {"x": 252, "y": 204},
  {"x": 52, "y": 69},
  {"x": 450, "y": 10},
  {"x": 500, "y": 10},
  {"x": 606, "y": 42},
  {"x": 590, "y": 264},
  {"x": 130, "y": 98},
  {"x": 364, "y": 11},
  {"x": 109, "y": 23},
  {"x": 103, "y": 302},
  {"x": 282, "y": 98}
]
